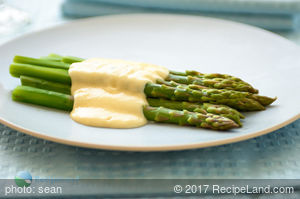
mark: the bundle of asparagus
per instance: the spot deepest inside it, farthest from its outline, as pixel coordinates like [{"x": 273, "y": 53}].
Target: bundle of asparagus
[{"x": 184, "y": 98}]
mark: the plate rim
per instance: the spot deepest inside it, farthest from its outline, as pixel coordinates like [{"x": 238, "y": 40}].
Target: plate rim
[
  {"x": 150, "y": 148},
  {"x": 146, "y": 148}
]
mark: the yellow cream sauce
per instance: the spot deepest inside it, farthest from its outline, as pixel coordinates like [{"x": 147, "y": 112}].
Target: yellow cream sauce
[{"x": 109, "y": 93}]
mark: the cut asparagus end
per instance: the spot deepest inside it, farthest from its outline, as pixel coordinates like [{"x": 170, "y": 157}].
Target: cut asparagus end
[
  {"x": 50, "y": 74},
  {"x": 43, "y": 97}
]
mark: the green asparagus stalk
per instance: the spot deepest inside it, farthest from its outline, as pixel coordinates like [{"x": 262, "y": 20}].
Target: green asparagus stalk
[
  {"x": 43, "y": 97},
  {"x": 50, "y": 74},
  {"x": 206, "y": 75},
  {"x": 41, "y": 62},
  {"x": 263, "y": 100},
  {"x": 177, "y": 105},
  {"x": 46, "y": 85},
  {"x": 204, "y": 108},
  {"x": 234, "y": 99},
  {"x": 218, "y": 83},
  {"x": 210, "y": 121},
  {"x": 159, "y": 114}
]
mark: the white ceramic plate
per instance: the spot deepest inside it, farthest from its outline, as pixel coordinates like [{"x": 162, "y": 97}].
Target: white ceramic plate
[{"x": 269, "y": 62}]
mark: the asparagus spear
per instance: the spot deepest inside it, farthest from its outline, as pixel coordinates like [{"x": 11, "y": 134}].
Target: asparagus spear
[
  {"x": 42, "y": 97},
  {"x": 204, "y": 108},
  {"x": 263, "y": 100},
  {"x": 234, "y": 99},
  {"x": 159, "y": 114},
  {"x": 40, "y": 62},
  {"x": 210, "y": 121},
  {"x": 207, "y": 75},
  {"x": 46, "y": 85},
  {"x": 193, "y": 107},
  {"x": 218, "y": 83},
  {"x": 51, "y": 74}
]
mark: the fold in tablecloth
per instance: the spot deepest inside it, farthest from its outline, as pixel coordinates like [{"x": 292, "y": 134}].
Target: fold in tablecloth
[{"x": 269, "y": 14}]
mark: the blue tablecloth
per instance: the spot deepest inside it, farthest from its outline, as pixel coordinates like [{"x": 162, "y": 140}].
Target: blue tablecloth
[{"x": 269, "y": 14}]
